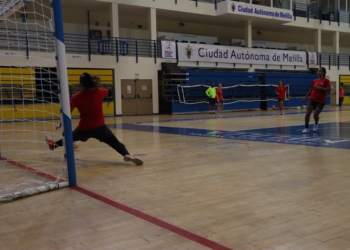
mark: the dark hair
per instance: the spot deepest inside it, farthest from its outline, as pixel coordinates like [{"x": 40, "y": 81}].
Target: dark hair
[
  {"x": 341, "y": 84},
  {"x": 282, "y": 82},
  {"x": 89, "y": 82},
  {"x": 324, "y": 71}
]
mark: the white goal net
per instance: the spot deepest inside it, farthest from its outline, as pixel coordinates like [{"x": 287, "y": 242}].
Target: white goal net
[
  {"x": 195, "y": 94},
  {"x": 29, "y": 100}
]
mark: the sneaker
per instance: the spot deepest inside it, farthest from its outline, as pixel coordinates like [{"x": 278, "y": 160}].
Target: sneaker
[
  {"x": 306, "y": 130},
  {"x": 49, "y": 142},
  {"x": 315, "y": 127},
  {"x": 133, "y": 158},
  {"x": 282, "y": 113},
  {"x": 75, "y": 144},
  {"x": 58, "y": 126}
]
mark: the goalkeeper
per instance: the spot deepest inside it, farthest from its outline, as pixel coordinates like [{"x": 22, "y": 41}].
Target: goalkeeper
[
  {"x": 92, "y": 121},
  {"x": 211, "y": 93}
]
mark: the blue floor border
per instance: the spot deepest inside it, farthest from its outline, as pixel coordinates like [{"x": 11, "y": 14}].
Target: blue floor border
[
  {"x": 230, "y": 117},
  {"x": 329, "y": 135}
]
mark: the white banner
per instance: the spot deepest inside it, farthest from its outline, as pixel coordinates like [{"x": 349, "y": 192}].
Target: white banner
[
  {"x": 225, "y": 54},
  {"x": 313, "y": 59},
  {"x": 168, "y": 49},
  {"x": 254, "y": 10}
]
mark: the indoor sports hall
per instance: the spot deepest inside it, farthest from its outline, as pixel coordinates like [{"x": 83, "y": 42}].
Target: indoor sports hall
[{"x": 247, "y": 177}]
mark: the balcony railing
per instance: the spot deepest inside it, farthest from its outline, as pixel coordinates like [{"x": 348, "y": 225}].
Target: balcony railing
[
  {"x": 36, "y": 41},
  {"x": 320, "y": 13}
]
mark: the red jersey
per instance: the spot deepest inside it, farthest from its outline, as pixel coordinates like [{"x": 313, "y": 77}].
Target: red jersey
[
  {"x": 219, "y": 94},
  {"x": 341, "y": 92},
  {"x": 281, "y": 92},
  {"x": 89, "y": 104},
  {"x": 318, "y": 95}
]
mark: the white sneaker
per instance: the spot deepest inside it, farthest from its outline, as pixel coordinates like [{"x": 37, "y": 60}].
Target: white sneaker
[
  {"x": 133, "y": 159},
  {"x": 306, "y": 130},
  {"x": 75, "y": 144},
  {"x": 282, "y": 113},
  {"x": 49, "y": 142},
  {"x": 315, "y": 127}
]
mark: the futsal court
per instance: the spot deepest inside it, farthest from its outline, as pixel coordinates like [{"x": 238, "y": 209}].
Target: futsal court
[{"x": 247, "y": 180}]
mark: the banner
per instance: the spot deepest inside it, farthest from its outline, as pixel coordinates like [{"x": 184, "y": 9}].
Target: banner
[
  {"x": 225, "y": 54},
  {"x": 168, "y": 49},
  {"x": 255, "y": 10},
  {"x": 313, "y": 59}
]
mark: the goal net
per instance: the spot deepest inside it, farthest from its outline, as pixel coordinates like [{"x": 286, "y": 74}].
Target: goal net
[
  {"x": 29, "y": 100},
  {"x": 195, "y": 94}
]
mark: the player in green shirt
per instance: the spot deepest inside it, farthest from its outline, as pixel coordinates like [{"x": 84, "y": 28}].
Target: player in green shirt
[{"x": 211, "y": 93}]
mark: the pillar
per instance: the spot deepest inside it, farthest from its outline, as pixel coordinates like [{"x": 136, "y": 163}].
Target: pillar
[
  {"x": 114, "y": 20},
  {"x": 152, "y": 24},
  {"x": 336, "y": 42},
  {"x": 248, "y": 34},
  {"x": 318, "y": 41}
]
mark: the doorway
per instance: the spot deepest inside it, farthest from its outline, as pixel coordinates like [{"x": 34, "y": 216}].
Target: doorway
[{"x": 137, "y": 97}]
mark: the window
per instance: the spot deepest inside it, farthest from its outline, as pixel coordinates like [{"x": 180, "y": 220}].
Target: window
[
  {"x": 342, "y": 4},
  {"x": 281, "y": 4},
  {"x": 262, "y": 2},
  {"x": 244, "y": 1}
]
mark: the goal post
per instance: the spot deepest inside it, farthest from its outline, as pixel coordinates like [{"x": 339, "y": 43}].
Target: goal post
[
  {"x": 34, "y": 99},
  {"x": 63, "y": 82}
]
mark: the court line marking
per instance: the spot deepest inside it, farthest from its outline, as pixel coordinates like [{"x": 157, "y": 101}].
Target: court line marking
[
  {"x": 32, "y": 170},
  {"x": 186, "y": 234},
  {"x": 162, "y": 224}
]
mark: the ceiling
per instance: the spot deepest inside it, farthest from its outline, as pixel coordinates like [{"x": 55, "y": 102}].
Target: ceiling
[{"x": 86, "y": 5}]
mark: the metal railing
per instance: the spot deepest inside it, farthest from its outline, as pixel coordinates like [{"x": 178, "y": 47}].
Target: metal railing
[
  {"x": 320, "y": 13},
  {"x": 30, "y": 41},
  {"x": 332, "y": 59},
  {"x": 39, "y": 41}
]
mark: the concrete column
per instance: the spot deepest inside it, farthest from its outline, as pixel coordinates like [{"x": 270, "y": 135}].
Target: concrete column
[
  {"x": 336, "y": 42},
  {"x": 318, "y": 41},
  {"x": 114, "y": 20},
  {"x": 248, "y": 34},
  {"x": 152, "y": 24}
]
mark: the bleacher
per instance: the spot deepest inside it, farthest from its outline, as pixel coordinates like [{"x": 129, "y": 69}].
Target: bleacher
[
  {"x": 227, "y": 79},
  {"x": 299, "y": 84},
  {"x": 193, "y": 98},
  {"x": 75, "y": 88}
]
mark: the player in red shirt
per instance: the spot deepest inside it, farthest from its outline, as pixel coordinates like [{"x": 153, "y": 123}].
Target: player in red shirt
[
  {"x": 341, "y": 94},
  {"x": 92, "y": 120},
  {"x": 281, "y": 91},
  {"x": 219, "y": 99},
  {"x": 317, "y": 93}
]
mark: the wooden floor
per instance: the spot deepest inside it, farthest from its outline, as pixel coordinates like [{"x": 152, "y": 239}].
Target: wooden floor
[{"x": 246, "y": 181}]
